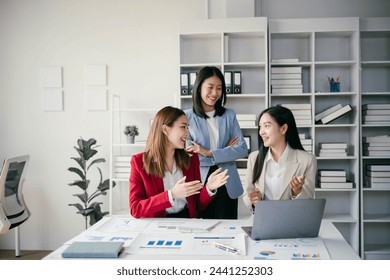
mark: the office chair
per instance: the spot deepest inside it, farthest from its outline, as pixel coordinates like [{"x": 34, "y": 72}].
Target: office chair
[{"x": 13, "y": 210}]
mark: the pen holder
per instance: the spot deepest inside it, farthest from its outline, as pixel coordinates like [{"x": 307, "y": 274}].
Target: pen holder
[{"x": 334, "y": 86}]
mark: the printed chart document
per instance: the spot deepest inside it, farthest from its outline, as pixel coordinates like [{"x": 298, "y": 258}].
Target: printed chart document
[
  {"x": 181, "y": 225},
  {"x": 96, "y": 236},
  {"x": 187, "y": 244},
  {"x": 290, "y": 249}
]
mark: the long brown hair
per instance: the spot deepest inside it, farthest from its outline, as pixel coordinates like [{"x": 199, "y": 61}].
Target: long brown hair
[{"x": 155, "y": 154}]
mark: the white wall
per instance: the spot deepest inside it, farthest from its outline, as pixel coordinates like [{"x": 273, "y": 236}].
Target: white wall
[{"x": 138, "y": 42}]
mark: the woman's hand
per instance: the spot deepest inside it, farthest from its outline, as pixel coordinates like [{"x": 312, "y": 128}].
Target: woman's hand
[
  {"x": 296, "y": 184},
  {"x": 196, "y": 148},
  {"x": 183, "y": 189},
  {"x": 255, "y": 196},
  {"x": 217, "y": 179}
]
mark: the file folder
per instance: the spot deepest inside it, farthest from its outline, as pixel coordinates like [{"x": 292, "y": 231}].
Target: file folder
[
  {"x": 93, "y": 249},
  {"x": 228, "y": 82},
  {"x": 192, "y": 81},
  {"x": 184, "y": 84},
  {"x": 237, "y": 82}
]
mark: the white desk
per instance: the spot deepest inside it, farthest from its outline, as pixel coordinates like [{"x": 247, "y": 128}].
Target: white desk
[{"x": 137, "y": 229}]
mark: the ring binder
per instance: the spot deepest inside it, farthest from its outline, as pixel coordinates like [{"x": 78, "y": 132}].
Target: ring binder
[
  {"x": 237, "y": 82},
  {"x": 228, "y": 82},
  {"x": 184, "y": 83}
]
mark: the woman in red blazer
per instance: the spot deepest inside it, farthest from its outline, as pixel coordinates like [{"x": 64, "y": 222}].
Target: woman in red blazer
[{"x": 165, "y": 179}]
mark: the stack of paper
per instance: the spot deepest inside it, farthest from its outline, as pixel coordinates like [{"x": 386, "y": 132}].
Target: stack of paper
[
  {"x": 378, "y": 176},
  {"x": 246, "y": 120},
  {"x": 301, "y": 112},
  {"x": 286, "y": 79},
  {"x": 376, "y": 113},
  {"x": 307, "y": 143},
  {"x": 333, "y": 179},
  {"x": 376, "y": 146},
  {"x": 333, "y": 149},
  {"x": 122, "y": 167}
]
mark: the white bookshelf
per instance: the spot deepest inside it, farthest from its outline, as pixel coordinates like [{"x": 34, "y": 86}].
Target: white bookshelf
[
  {"x": 325, "y": 48},
  {"x": 121, "y": 151},
  {"x": 375, "y": 88}
]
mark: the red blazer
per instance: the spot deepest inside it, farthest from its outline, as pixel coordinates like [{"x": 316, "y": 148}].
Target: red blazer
[{"x": 147, "y": 198}]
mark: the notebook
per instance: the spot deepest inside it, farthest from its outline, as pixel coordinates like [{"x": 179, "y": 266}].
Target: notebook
[
  {"x": 277, "y": 219},
  {"x": 93, "y": 249}
]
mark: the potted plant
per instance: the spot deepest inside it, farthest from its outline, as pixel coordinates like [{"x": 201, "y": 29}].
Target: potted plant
[
  {"x": 131, "y": 131},
  {"x": 86, "y": 151}
]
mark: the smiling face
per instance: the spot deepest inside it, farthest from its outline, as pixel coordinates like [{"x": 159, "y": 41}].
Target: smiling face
[
  {"x": 271, "y": 132},
  {"x": 178, "y": 133},
  {"x": 210, "y": 91}
]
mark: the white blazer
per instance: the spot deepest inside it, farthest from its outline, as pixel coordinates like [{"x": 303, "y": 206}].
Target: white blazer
[
  {"x": 223, "y": 156},
  {"x": 299, "y": 163}
]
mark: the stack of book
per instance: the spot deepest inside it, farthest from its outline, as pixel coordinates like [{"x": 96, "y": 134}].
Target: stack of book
[
  {"x": 246, "y": 120},
  {"x": 338, "y": 149},
  {"x": 333, "y": 179},
  {"x": 301, "y": 112},
  {"x": 286, "y": 79},
  {"x": 307, "y": 143},
  {"x": 332, "y": 113},
  {"x": 122, "y": 167},
  {"x": 376, "y": 145},
  {"x": 376, "y": 113},
  {"x": 378, "y": 176}
]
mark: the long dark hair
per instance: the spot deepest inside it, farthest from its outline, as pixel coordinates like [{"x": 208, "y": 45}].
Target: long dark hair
[
  {"x": 282, "y": 116},
  {"x": 155, "y": 153},
  {"x": 203, "y": 74}
]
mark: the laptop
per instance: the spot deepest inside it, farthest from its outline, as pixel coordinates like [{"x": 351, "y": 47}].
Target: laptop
[{"x": 277, "y": 219}]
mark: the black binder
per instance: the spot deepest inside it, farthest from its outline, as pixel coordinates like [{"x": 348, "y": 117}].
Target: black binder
[
  {"x": 229, "y": 82},
  {"x": 237, "y": 82},
  {"x": 184, "y": 84},
  {"x": 192, "y": 78}
]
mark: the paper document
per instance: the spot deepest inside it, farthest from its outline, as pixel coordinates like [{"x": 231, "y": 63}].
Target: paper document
[{"x": 290, "y": 249}]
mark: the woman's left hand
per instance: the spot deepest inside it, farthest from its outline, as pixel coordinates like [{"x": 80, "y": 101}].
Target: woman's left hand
[
  {"x": 217, "y": 179},
  {"x": 296, "y": 184}
]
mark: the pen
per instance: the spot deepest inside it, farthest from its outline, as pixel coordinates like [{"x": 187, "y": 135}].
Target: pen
[{"x": 226, "y": 248}]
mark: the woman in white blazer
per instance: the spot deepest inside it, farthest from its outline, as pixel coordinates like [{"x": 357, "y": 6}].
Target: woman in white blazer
[
  {"x": 216, "y": 136},
  {"x": 281, "y": 168}
]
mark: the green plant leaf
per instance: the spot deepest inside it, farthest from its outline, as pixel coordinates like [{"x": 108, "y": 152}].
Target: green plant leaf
[
  {"x": 89, "y": 154},
  {"x": 82, "y": 196},
  {"x": 96, "y": 194},
  {"x": 81, "y": 184},
  {"x": 96, "y": 161},
  {"x": 86, "y": 212},
  {"x": 77, "y": 171},
  {"x": 80, "y": 161},
  {"x": 77, "y": 205},
  {"x": 105, "y": 185}
]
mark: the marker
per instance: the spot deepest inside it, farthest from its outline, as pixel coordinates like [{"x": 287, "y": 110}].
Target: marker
[{"x": 226, "y": 248}]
